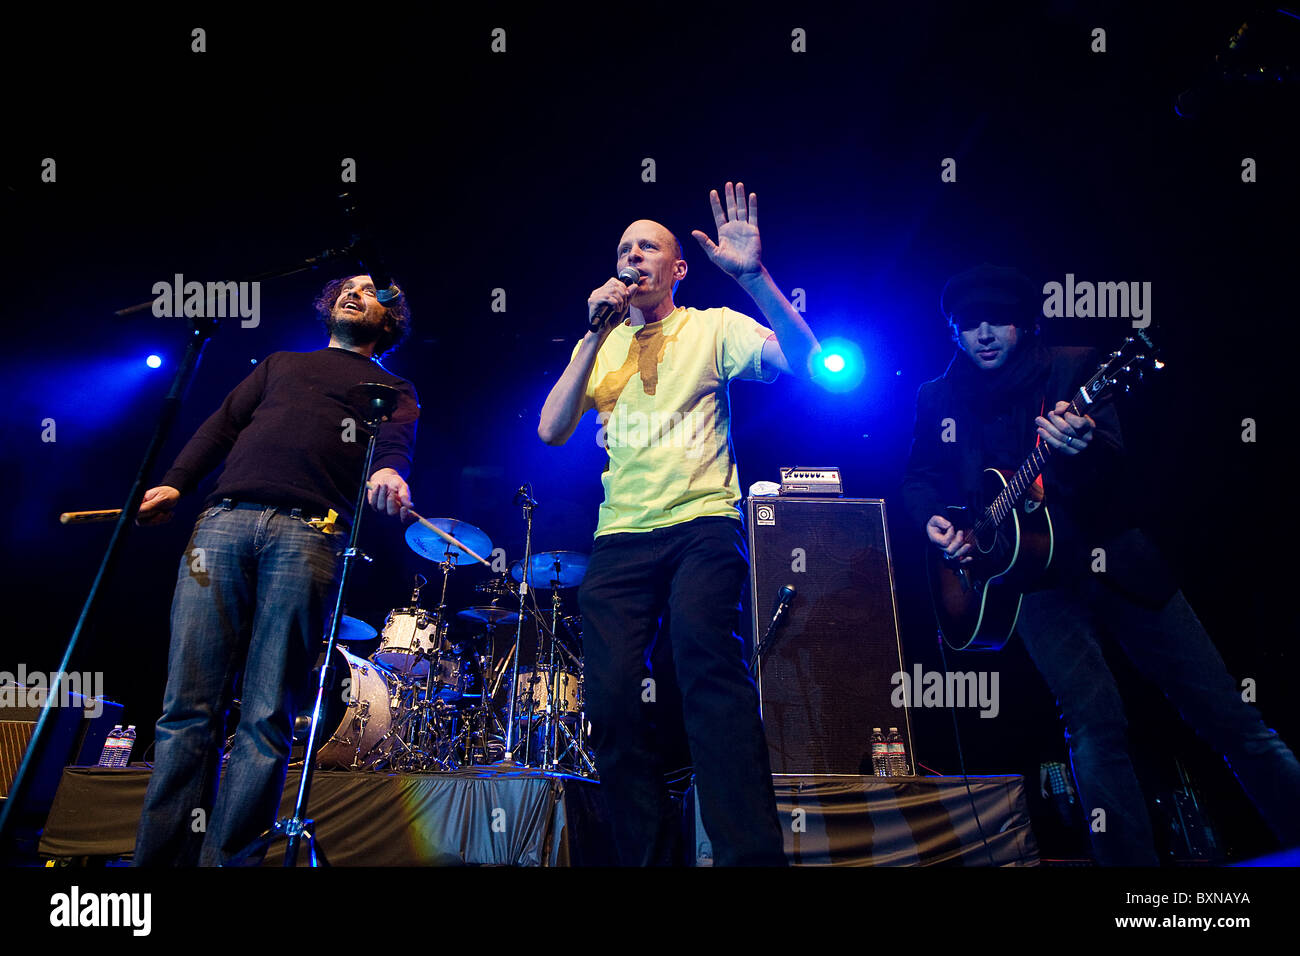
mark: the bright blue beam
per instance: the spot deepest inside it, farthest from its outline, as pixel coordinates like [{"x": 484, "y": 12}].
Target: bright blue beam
[{"x": 839, "y": 367}]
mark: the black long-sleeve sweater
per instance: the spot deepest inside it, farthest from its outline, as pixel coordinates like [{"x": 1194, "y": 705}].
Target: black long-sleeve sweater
[{"x": 283, "y": 434}]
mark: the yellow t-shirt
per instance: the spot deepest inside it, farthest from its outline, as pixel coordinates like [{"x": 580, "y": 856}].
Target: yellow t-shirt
[{"x": 660, "y": 392}]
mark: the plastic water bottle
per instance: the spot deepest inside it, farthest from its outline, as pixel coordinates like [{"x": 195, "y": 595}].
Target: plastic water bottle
[
  {"x": 879, "y": 753},
  {"x": 897, "y": 754},
  {"x": 127, "y": 742},
  {"x": 109, "y": 753}
]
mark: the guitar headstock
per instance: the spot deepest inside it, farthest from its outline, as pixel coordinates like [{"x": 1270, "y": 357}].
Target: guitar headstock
[{"x": 1122, "y": 369}]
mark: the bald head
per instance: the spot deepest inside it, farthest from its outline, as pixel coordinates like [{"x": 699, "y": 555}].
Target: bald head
[
  {"x": 652, "y": 250},
  {"x": 650, "y": 228}
]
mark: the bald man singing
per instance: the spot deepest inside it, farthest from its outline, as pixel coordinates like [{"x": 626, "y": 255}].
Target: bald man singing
[{"x": 669, "y": 559}]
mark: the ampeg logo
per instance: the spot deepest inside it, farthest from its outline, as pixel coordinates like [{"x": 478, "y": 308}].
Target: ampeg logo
[{"x": 765, "y": 514}]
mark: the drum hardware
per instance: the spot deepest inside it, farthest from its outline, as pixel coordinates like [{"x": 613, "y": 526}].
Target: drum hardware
[
  {"x": 416, "y": 644},
  {"x": 553, "y": 693},
  {"x": 525, "y": 500},
  {"x": 410, "y": 709}
]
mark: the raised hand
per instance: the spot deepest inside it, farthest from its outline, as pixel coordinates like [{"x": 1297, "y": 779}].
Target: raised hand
[{"x": 738, "y": 251}]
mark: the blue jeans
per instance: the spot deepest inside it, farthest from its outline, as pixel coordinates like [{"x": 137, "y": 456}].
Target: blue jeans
[
  {"x": 1170, "y": 648},
  {"x": 252, "y": 577},
  {"x": 681, "y": 585}
]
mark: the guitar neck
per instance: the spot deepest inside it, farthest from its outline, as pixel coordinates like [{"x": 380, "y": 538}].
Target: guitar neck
[{"x": 1018, "y": 484}]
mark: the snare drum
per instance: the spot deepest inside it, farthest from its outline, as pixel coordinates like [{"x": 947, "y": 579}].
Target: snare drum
[{"x": 408, "y": 641}]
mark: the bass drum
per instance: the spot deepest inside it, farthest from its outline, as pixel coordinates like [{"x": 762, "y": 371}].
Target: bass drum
[{"x": 366, "y": 730}]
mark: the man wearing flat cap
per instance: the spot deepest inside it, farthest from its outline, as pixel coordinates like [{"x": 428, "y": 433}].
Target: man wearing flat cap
[{"x": 1002, "y": 393}]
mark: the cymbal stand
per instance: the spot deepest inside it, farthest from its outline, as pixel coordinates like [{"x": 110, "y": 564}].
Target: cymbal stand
[
  {"x": 572, "y": 744},
  {"x": 431, "y": 703},
  {"x": 525, "y": 499}
]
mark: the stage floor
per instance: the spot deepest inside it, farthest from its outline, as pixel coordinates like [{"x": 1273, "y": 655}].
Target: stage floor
[{"x": 522, "y": 817}]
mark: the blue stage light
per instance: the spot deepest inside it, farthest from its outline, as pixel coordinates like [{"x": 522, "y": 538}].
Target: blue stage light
[
  {"x": 154, "y": 361},
  {"x": 839, "y": 367}
]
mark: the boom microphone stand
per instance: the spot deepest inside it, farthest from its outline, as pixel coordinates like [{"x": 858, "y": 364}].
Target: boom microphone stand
[
  {"x": 378, "y": 402},
  {"x": 202, "y": 329}
]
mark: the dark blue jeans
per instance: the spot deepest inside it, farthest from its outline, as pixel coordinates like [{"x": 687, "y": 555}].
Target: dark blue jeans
[
  {"x": 1170, "y": 648},
  {"x": 681, "y": 584},
  {"x": 251, "y": 577}
]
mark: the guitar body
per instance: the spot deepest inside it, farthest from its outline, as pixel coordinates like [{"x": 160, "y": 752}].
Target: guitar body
[{"x": 977, "y": 604}]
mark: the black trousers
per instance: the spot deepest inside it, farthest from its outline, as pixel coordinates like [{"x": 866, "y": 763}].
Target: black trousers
[
  {"x": 1171, "y": 649},
  {"x": 680, "y": 584}
]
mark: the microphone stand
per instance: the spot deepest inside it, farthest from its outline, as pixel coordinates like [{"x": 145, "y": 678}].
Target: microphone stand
[
  {"x": 379, "y": 401},
  {"x": 202, "y": 329},
  {"x": 768, "y": 637},
  {"x": 528, "y": 504}
]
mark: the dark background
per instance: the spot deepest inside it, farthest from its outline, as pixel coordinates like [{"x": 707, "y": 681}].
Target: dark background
[{"x": 520, "y": 170}]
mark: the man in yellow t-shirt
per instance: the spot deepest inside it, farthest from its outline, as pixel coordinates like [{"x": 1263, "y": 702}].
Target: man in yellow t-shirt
[{"x": 669, "y": 559}]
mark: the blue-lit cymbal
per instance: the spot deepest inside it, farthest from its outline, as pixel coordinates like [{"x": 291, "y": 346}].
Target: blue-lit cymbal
[
  {"x": 553, "y": 568},
  {"x": 491, "y": 616},
  {"x": 429, "y": 545}
]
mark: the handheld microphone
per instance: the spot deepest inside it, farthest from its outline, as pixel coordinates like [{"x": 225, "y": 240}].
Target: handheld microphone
[{"x": 629, "y": 277}]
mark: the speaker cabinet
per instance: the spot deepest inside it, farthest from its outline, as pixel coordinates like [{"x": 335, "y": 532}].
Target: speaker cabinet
[
  {"x": 72, "y": 737},
  {"x": 825, "y": 681}
]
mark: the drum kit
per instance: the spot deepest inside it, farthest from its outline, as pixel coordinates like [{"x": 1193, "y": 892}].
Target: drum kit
[{"x": 444, "y": 692}]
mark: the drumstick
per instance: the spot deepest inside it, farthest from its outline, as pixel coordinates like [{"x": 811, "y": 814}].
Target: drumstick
[
  {"x": 442, "y": 534},
  {"x": 83, "y": 517}
]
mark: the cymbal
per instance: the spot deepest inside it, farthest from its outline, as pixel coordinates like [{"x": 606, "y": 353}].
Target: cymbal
[
  {"x": 567, "y": 568},
  {"x": 353, "y": 630},
  {"x": 491, "y": 616},
  {"x": 428, "y": 545}
]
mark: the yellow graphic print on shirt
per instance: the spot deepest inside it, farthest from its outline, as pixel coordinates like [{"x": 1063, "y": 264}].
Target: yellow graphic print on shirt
[
  {"x": 664, "y": 416},
  {"x": 644, "y": 355}
]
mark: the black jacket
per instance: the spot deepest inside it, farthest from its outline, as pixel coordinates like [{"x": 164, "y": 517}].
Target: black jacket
[{"x": 1089, "y": 495}]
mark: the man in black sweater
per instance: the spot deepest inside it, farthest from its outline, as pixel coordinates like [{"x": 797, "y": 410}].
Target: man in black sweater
[
  {"x": 260, "y": 570},
  {"x": 1002, "y": 392}
]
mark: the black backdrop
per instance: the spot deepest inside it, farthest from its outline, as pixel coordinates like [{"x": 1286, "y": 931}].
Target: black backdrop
[{"x": 518, "y": 171}]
